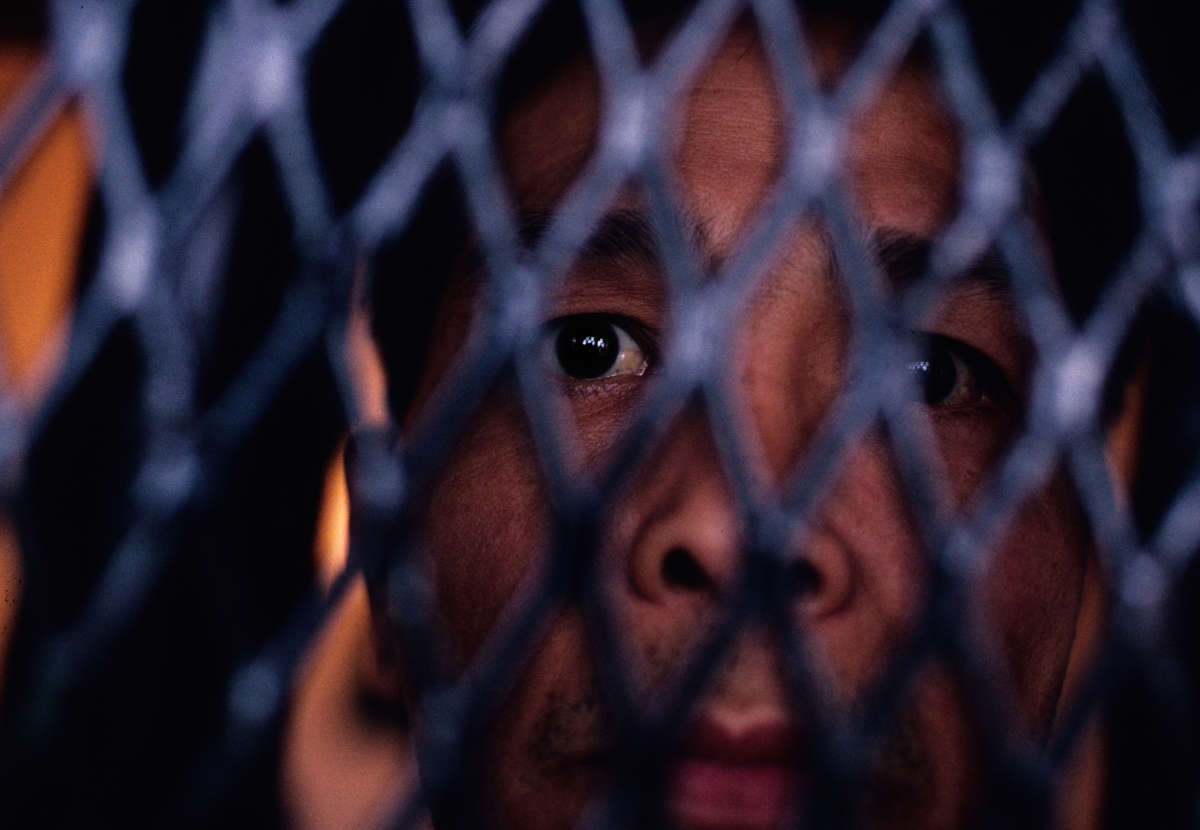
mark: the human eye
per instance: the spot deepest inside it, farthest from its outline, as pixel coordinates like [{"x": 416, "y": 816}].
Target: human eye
[
  {"x": 586, "y": 347},
  {"x": 951, "y": 375}
]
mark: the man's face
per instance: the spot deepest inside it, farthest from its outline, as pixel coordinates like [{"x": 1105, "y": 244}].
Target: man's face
[{"x": 672, "y": 548}]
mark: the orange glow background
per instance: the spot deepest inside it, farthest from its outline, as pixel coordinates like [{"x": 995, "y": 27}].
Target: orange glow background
[{"x": 341, "y": 768}]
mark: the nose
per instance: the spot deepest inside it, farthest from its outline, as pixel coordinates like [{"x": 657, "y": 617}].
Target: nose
[{"x": 688, "y": 545}]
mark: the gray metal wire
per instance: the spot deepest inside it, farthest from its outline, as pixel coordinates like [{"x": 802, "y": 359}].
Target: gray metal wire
[{"x": 266, "y": 47}]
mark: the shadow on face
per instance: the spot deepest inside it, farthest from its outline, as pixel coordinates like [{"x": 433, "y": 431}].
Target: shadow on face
[{"x": 673, "y": 555}]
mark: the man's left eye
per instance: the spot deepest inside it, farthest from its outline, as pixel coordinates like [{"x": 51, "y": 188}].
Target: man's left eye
[
  {"x": 952, "y": 374},
  {"x": 593, "y": 347}
]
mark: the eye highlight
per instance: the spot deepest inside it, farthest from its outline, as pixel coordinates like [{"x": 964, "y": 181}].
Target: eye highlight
[
  {"x": 950, "y": 374},
  {"x": 594, "y": 347}
]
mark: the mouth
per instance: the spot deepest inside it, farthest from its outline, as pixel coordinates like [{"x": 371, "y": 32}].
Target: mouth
[{"x": 736, "y": 775}]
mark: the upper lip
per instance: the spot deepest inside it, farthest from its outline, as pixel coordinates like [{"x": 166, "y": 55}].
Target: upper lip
[{"x": 734, "y": 740}]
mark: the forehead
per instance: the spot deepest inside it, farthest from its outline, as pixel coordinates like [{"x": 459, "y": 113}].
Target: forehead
[{"x": 901, "y": 153}]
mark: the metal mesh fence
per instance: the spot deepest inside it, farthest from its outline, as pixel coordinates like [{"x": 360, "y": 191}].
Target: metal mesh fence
[{"x": 164, "y": 488}]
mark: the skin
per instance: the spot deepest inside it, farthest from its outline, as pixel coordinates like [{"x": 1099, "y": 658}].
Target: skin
[{"x": 487, "y": 529}]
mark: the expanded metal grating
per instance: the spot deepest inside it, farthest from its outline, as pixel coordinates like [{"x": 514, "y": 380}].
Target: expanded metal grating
[{"x": 145, "y": 332}]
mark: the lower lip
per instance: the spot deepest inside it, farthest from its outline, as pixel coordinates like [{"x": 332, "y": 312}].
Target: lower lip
[{"x": 710, "y": 795}]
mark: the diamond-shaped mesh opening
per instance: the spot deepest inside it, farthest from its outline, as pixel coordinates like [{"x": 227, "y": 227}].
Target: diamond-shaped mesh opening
[{"x": 790, "y": 417}]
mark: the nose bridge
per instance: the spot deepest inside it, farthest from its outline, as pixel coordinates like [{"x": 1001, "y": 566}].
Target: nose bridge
[{"x": 788, "y": 360}]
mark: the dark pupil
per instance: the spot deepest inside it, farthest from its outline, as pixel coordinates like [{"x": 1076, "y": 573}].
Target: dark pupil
[
  {"x": 587, "y": 348},
  {"x": 936, "y": 375}
]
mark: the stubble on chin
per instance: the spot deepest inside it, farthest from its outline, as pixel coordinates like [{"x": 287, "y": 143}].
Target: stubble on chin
[
  {"x": 923, "y": 773},
  {"x": 572, "y": 736},
  {"x": 920, "y": 774}
]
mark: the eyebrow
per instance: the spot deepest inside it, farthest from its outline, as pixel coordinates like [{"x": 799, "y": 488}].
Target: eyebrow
[
  {"x": 628, "y": 235},
  {"x": 905, "y": 259},
  {"x": 623, "y": 234}
]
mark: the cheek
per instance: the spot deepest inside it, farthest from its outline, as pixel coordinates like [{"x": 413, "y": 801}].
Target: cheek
[
  {"x": 1032, "y": 597},
  {"x": 969, "y": 445},
  {"x": 486, "y": 524},
  {"x": 553, "y": 718},
  {"x": 597, "y": 419},
  {"x": 866, "y": 522},
  {"x": 1031, "y": 593}
]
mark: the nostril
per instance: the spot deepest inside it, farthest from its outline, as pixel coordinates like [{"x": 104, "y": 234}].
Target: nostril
[
  {"x": 681, "y": 570},
  {"x": 803, "y": 580}
]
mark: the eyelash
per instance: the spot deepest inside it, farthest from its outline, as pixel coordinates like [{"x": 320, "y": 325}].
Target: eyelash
[
  {"x": 994, "y": 388},
  {"x": 627, "y": 333}
]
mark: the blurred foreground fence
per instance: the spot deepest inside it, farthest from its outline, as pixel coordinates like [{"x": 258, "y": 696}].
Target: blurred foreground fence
[{"x": 251, "y": 158}]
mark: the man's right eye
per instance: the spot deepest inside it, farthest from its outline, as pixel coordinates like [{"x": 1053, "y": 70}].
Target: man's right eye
[{"x": 594, "y": 347}]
